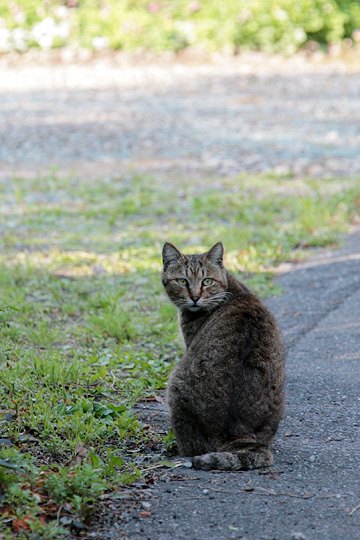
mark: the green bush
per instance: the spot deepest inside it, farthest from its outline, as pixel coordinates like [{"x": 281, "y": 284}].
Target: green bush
[{"x": 159, "y": 25}]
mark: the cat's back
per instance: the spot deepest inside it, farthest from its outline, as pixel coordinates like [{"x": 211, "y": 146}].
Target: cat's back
[
  {"x": 243, "y": 322},
  {"x": 235, "y": 362}
]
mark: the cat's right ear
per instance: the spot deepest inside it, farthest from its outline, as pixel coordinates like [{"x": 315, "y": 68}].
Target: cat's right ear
[
  {"x": 216, "y": 254},
  {"x": 170, "y": 254}
]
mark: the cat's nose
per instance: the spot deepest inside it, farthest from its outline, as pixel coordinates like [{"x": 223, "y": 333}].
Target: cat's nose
[{"x": 195, "y": 298}]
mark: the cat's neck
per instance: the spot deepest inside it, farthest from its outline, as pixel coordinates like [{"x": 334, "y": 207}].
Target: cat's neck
[
  {"x": 191, "y": 322},
  {"x": 235, "y": 287}
]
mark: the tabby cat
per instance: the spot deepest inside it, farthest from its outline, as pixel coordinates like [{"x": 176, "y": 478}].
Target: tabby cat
[{"x": 226, "y": 394}]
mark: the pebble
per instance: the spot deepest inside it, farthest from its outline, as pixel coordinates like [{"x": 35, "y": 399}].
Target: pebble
[
  {"x": 298, "y": 536},
  {"x": 146, "y": 505}
]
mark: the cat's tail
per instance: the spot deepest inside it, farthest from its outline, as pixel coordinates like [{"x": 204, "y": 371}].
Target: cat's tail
[{"x": 234, "y": 461}]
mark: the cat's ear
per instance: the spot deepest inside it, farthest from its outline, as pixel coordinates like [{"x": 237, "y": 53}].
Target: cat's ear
[
  {"x": 170, "y": 254},
  {"x": 216, "y": 254}
]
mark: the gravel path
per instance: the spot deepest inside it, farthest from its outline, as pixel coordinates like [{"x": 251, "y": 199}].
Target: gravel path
[{"x": 252, "y": 113}]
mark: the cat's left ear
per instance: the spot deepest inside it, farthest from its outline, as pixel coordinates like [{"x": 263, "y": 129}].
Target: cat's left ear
[{"x": 216, "y": 254}]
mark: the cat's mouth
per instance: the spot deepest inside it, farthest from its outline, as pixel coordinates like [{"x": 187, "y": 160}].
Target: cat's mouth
[{"x": 194, "y": 307}]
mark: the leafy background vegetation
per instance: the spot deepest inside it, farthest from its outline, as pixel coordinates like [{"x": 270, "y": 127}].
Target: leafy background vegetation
[
  {"x": 173, "y": 25},
  {"x": 87, "y": 333}
]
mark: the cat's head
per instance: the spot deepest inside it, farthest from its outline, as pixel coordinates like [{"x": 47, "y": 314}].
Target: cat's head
[{"x": 195, "y": 282}]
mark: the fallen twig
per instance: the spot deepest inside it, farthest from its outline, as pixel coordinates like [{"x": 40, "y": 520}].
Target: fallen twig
[
  {"x": 353, "y": 510},
  {"x": 167, "y": 464},
  {"x": 262, "y": 491},
  {"x": 273, "y": 493},
  {"x": 58, "y": 514},
  {"x": 154, "y": 409},
  {"x": 219, "y": 490}
]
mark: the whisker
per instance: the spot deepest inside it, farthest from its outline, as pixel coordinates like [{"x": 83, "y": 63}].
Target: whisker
[
  {"x": 208, "y": 304},
  {"x": 217, "y": 299},
  {"x": 224, "y": 294}
]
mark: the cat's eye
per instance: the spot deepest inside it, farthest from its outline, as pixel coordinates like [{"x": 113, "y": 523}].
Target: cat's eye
[
  {"x": 207, "y": 282},
  {"x": 182, "y": 282}
]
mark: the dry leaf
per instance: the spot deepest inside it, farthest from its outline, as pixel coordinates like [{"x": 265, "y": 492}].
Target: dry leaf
[
  {"x": 144, "y": 514},
  {"x": 22, "y": 524}
]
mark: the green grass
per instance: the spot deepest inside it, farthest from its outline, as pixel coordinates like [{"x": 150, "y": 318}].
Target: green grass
[{"x": 86, "y": 330}]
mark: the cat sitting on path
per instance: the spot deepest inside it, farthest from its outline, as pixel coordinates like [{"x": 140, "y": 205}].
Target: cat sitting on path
[{"x": 226, "y": 394}]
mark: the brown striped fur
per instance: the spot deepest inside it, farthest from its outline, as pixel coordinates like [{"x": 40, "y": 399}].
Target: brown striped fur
[{"x": 226, "y": 394}]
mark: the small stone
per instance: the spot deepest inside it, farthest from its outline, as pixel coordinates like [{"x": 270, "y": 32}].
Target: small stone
[
  {"x": 312, "y": 458},
  {"x": 146, "y": 505},
  {"x": 298, "y": 536},
  {"x": 77, "y": 525},
  {"x": 205, "y": 491}
]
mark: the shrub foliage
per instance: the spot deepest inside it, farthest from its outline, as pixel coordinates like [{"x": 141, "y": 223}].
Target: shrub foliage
[{"x": 160, "y": 25}]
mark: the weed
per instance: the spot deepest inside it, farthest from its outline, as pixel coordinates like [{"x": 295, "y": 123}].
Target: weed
[
  {"x": 77, "y": 487},
  {"x": 170, "y": 442}
]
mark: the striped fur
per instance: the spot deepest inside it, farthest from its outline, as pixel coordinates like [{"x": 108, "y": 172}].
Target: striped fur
[
  {"x": 226, "y": 394},
  {"x": 234, "y": 461}
]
